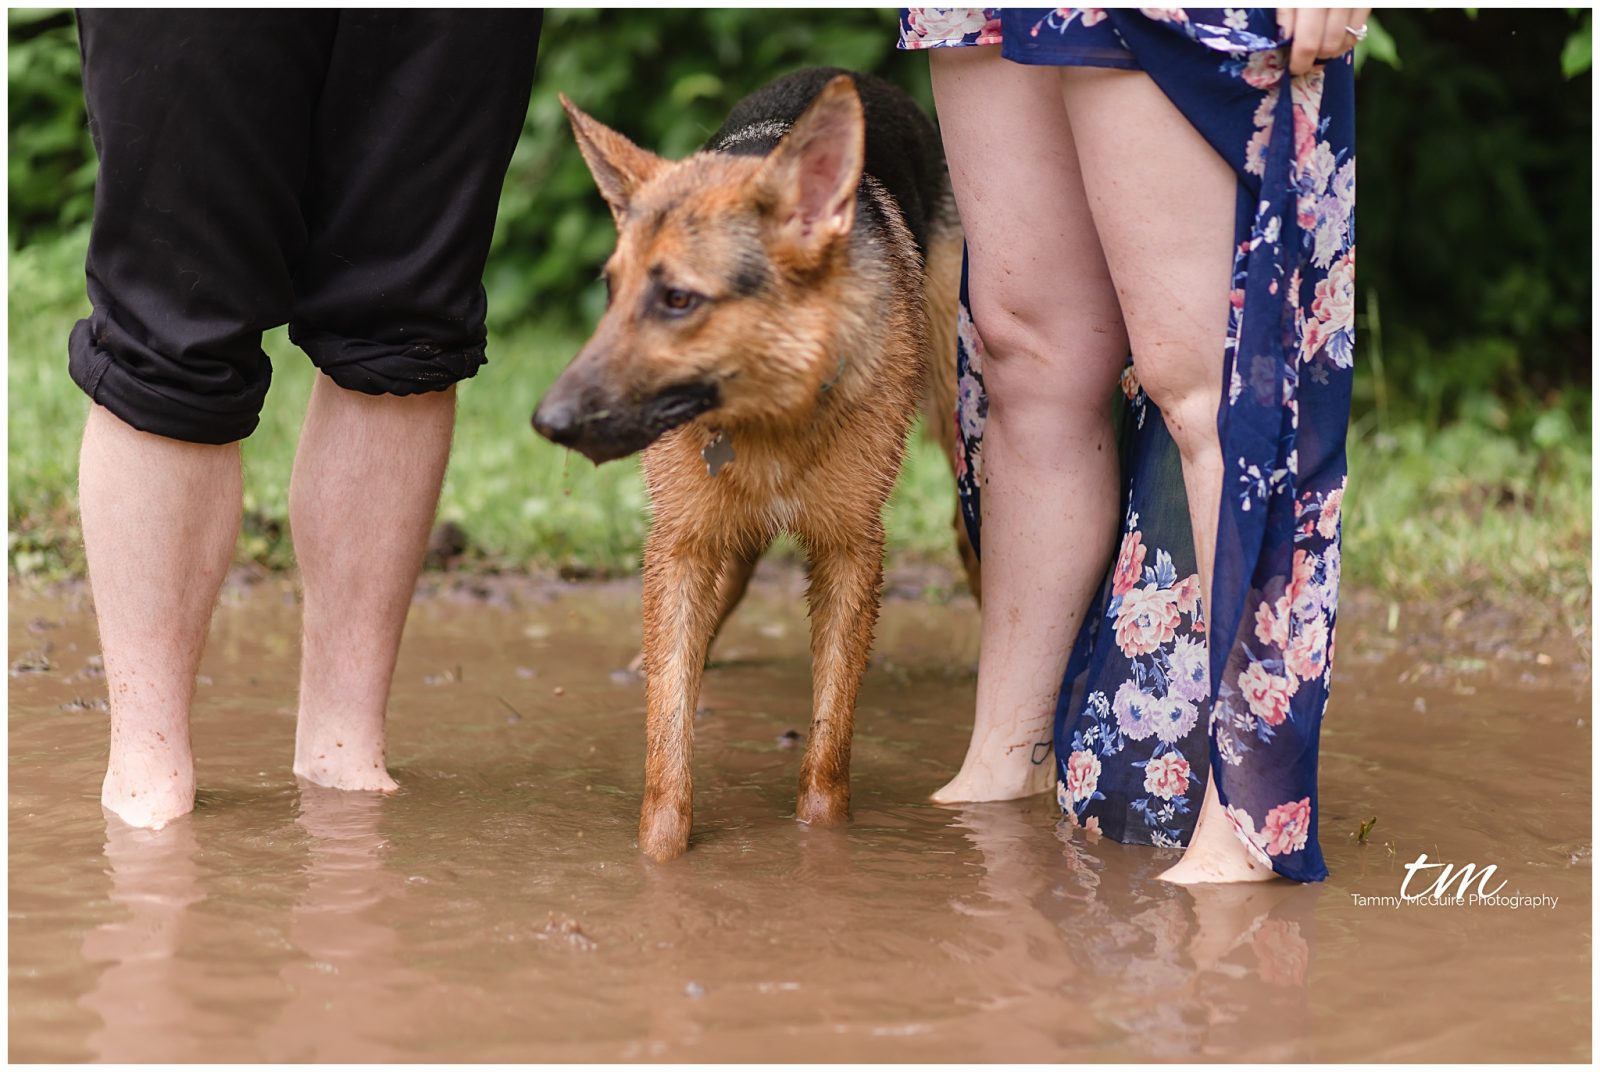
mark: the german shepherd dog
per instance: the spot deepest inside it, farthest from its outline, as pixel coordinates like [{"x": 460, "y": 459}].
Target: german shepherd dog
[{"x": 774, "y": 303}]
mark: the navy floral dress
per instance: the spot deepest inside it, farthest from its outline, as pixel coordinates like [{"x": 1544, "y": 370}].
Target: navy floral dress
[{"x": 1154, "y": 695}]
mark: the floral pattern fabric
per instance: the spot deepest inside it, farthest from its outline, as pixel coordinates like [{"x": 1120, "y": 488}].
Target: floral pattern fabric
[{"x": 1162, "y": 686}]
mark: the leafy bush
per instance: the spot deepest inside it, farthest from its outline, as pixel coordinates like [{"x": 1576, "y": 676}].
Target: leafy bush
[
  {"x": 52, "y": 166},
  {"x": 1474, "y": 212}
]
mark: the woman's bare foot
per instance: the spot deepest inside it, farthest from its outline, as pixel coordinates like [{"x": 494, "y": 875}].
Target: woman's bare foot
[
  {"x": 999, "y": 771},
  {"x": 1215, "y": 852}
]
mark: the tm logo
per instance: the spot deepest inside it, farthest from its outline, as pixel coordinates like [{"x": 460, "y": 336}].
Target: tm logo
[{"x": 1439, "y": 888}]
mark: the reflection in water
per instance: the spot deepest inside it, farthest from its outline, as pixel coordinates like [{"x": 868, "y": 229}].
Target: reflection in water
[
  {"x": 1030, "y": 951},
  {"x": 163, "y": 991},
  {"x": 143, "y": 993},
  {"x": 1184, "y": 972},
  {"x": 347, "y": 991}
]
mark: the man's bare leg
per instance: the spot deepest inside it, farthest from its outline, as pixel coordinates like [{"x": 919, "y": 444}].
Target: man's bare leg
[
  {"x": 160, "y": 518},
  {"x": 361, "y": 504}
]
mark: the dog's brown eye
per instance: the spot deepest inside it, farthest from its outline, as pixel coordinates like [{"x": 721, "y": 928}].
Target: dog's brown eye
[{"x": 679, "y": 301}]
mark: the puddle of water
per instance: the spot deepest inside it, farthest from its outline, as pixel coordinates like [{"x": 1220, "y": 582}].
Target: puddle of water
[{"x": 496, "y": 908}]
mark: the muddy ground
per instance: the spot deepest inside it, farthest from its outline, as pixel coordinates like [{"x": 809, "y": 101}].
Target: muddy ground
[{"x": 496, "y": 908}]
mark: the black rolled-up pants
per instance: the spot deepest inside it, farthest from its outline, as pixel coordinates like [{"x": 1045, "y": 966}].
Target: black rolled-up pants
[{"x": 337, "y": 171}]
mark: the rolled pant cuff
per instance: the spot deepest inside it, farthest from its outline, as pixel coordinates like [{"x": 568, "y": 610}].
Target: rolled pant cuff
[
  {"x": 375, "y": 368},
  {"x": 163, "y": 409}
]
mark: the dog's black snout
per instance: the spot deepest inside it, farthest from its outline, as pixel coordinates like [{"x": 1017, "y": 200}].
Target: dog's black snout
[{"x": 557, "y": 421}]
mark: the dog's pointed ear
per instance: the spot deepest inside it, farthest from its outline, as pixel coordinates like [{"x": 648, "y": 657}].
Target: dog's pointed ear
[
  {"x": 619, "y": 167},
  {"x": 807, "y": 185}
]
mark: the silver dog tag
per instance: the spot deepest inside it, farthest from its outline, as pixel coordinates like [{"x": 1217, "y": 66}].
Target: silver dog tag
[{"x": 717, "y": 453}]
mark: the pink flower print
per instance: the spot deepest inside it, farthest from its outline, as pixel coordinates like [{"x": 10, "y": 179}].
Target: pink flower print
[
  {"x": 1272, "y": 622},
  {"x": 1287, "y": 827},
  {"x": 1304, "y": 599},
  {"x": 1306, "y": 89},
  {"x": 1265, "y": 68},
  {"x": 1083, "y": 775},
  {"x": 1130, "y": 560},
  {"x": 1328, "y": 520},
  {"x": 1306, "y": 655},
  {"x": 1147, "y": 620},
  {"x": 1333, "y": 311},
  {"x": 1267, "y": 694},
  {"x": 1187, "y": 593},
  {"x": 1129, "y": 383},
  {"x": 1167, "y": 776},
  {"x": 946, "y": 25}
]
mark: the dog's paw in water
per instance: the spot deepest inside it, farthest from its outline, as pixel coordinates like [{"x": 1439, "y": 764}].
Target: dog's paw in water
[
  {"x": 664, "y": 831},
  {"x": 819, "y": 806}
]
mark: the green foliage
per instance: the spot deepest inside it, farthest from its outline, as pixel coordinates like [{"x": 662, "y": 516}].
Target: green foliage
[
  {"x": 1576, "y": 54},
  {"x": 1377, "y": 45},
  {"x": 1473, "y": 212},
  {"x": 52, "y": 166}
]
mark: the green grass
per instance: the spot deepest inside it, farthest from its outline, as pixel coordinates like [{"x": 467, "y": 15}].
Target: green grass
[
  {"x": 1481, "y": 507},
  {"x": 1469, "y": 509}
]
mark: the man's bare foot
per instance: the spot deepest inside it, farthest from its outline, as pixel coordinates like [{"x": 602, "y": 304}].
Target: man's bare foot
[
  {"x": 1008, "y": 776},
  {"x": 340, "y": 765},
  {"x": 148, "y": 797},
  {"x": 1216, "y": 853}
]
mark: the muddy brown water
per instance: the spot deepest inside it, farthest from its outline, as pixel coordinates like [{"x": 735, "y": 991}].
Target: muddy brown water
[{"x": 496, "y": 908}]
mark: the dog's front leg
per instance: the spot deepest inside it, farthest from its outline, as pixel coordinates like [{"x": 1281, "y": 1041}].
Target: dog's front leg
[
  {"x": 680, "y": 611},
  {"x": 846, "y": 575}
]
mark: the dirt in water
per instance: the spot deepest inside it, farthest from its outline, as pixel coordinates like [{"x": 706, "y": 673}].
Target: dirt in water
[{"x": 496, "y": 908}]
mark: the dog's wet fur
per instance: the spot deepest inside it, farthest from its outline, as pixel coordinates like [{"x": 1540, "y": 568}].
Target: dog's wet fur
[{"x": 791, "y": 287}]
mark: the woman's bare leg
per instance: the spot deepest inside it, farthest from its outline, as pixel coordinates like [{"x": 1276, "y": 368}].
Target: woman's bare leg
[
  {"x": 1054, "y": 347},
  {"x": 1163, "y": 202}
]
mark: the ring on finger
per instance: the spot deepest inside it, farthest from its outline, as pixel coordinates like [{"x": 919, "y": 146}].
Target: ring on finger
[{"x": 1357, "y": 32}]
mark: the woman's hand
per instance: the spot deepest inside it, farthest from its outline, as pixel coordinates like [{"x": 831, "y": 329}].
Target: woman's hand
[{"x": 1321, "y": 33}]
